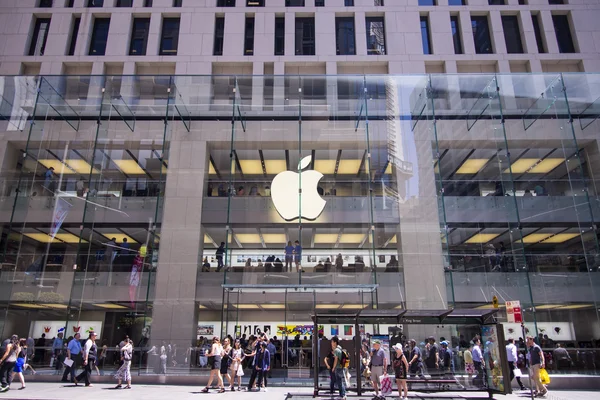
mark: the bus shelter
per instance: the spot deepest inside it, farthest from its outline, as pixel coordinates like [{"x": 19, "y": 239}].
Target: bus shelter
[{"x": 480, "y": 322}]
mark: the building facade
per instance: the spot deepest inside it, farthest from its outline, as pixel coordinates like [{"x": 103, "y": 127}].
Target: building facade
[{"x": 403, "y": 145}]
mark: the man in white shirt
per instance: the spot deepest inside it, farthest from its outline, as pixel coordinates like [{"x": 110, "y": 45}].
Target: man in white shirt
[{"x": 513, "y": 358}]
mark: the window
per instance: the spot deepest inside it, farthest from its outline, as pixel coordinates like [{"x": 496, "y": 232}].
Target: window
[
  {"x": 481, "y": 35},
  {"x": 95, "y": 3},
  {"x": 496, "y": 2},
  {"x": 74, "y": 33},
  {"x": 378, "y": 3},
  {"x": 563, "y": 33},
  {"x": 344, "y": 36},
  {"x": 177, "y": 3},
  {"x": 219, "y": 36},
  {"x": 349, "y": 3},
  {"x": 255, "y": 3},
  {"x": 375, "y": 35},
  {"x": 147, "y": 3},
  {"x": 40, "y": 36},
  {"x": 305, "y": 36},
  {"x": 538, "y": 33},
  {"x": 45, "y": 4},
  {"x": 455, "y": 26},
  {"x": 225, "y": 3},
  {"x": 427, "y": 2},
  {"x": 522, "y": 2},
  {"x": 425, "y": 38},
  {"x": 124, "y": 3},
  {"x": 319, "y": 3},
  {"x": 512, "y": 34},
  {"x": 249, "y": 37},
  {"x": 279, "y": 36},
  {"x": 169, "y": 37},
  {"x": 294, "y": 3},
  {"x": 556, "y": 2},
  {"x": 99, "y": 36},
  {"x": 139, "y": 36},
  {"x": 457, "y": 2},
  {"x": 69, "y": 3}
]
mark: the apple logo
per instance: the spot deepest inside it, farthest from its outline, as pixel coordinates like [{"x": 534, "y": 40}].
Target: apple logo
[{"x": 285, "y": 193}]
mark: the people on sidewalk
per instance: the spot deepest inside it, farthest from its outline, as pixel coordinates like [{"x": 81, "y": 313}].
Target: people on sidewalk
[
  {"x": 124, "y": 372},
  {"x": 400, "y": 366},
  {"x": 73, "y": 354},
  {"x": 89, "y": 354},
  {"x": 338, "y": 366},
  {"x": 8, "y": 361},
  {"x": 214, "y": 357},
  {"x": 536, "y": 363},
  {"x": 512, "y": 358}
]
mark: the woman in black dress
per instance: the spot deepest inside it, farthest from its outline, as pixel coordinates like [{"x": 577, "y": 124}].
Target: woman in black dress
[{"x": 400, "y": 369}]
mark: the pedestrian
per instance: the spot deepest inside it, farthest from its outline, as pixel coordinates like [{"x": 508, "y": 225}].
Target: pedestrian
[
  {"x": 262, "y": 365},
  {"x": 215, "y": 372},
  {"x": 226, "y": 361},
  {"x": 252, "y": 351},
  {"x": 40, "y": 349},
  {"x": 400, "y": 366},
  {"x": 432, "y": 361},
  {"x": 73, "y": 354},
  {"x": 512, "y": 358},
  {"x": 378, "y": 366},
  {"x": 236, "y": 370},
  {"x": 536, "y": 363},
  {"x": 298, "y": 256},
  {"x": 20, "y": 364},
  {"x": 124, "y": 373},
  {"x": 8, "y": 361},
  {"x": 163, "y": 360},
  {"x": 272, "y": 350},
  {"x": 479, "y": 379},
  {"x": 329, "y": 364},
  {"x": 89, "y": 354},
  {"x": 446, "y": 359},
  {"x": 57, "y": 351},
  {"x": 219, "y": 255},
  {"x": 289, "y": 256},
  {"x": 415, "y": 365},
  {"x": 469, "y": 366},
  {"x": 338, "y": 366}
]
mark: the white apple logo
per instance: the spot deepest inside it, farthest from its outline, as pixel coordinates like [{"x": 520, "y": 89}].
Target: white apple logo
[{"x": 286, "y": 194}]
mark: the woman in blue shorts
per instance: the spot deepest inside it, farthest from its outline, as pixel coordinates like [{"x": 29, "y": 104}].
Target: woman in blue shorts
[{"x": 20, "y": 364}]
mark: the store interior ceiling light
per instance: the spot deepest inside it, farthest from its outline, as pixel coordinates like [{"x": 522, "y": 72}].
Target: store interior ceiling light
[
  {"x": 345, "y": 167},
  {"x": 274, "y": 237},
  {"x": 560, "y": 238},
  {"x": 394, "y": 239},
  {"x": 119, "y": 236},
  {"x": 274, "y": 167},
  {"x": 353, "y": 306},
  {"x": 129, "y": 167},
  {"x": 536, "y": 237},
  {"x": 472, "y": 166},
  {"x": 110, "y": 306},
  {"x": 58, "y": 238},
  {"x": 202, "y": 307},
  {"x": 273, "y": 306},
  {"x": 546, "y": 165},
  {"x": 482, "y": 238},
  {"x": 325, "y": 238},
  {"x": 59, "y": 167},
  {"x": 522, "y": 165},
  {"x": 81, "y": 167},
  {"x": 575, "y": 306},
  {"x": 327, "y": 306},
  {"x": 246, "y": 306},
  {"x": 248, "y": 237},
  {"x": 351, "y": 238},
  {"x": 207, "y": 239},
  {"x": 547, "y": 306},
  {"x": 399, "y": 307},
  {"x": 489, "y": 306},
  {"x": 251, "y": 167},
  {"x": 211, "y": 169},
  {"x": 27, "y": 305},
  {"x": 55, "y": 305}
]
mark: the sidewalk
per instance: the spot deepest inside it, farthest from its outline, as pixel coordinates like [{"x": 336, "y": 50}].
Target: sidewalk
[{"x": 55, "y": 391}]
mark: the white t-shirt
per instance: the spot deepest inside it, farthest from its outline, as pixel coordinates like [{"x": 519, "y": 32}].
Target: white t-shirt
[{"x": 511, "y": 352}]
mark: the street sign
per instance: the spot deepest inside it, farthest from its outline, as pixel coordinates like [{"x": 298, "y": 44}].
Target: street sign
[
  {"x": 514, "y": 313},
  {"x": 495, "y": 302}
]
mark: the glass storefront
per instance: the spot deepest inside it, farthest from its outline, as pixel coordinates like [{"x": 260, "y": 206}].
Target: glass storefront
[{"x": 177, "y": 208}]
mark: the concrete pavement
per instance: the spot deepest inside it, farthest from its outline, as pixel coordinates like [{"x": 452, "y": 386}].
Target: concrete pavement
[{"x": 54, "y": 391}]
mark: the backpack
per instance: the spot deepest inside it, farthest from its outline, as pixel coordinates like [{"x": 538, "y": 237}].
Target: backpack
[{"x": 345, "y": 361}]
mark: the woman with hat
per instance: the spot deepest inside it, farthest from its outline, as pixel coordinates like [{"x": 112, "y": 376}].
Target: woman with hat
[{"x": 401, "y": 370}]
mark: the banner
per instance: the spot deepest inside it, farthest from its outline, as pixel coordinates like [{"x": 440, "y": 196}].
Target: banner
[
  {"x": 61, "y": 210},
  {"x": 135, "y": 278}
]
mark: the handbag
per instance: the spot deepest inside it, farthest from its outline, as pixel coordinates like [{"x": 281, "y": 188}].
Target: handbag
[
  {"x": 240, "y": 370},
  {"x": 517, "y": 372},
  {"x": 386, "y": 384},
  {"x": 544, "y": 377}
]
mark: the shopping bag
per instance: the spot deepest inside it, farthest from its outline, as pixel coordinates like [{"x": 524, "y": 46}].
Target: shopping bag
[
  {"x": 517, "y": 372},
  {"x": 385, "y": 384},
  {"x": 240, "y": 370},
  {"x": 544, "y": 377}
]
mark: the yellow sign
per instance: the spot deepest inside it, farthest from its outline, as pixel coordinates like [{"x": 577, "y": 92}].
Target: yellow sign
[{"x": 495, "y": 301}]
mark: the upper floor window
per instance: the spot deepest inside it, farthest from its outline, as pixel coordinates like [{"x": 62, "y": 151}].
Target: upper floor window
[
  {"x": 294, "y": 3},
  {"x": 378, "y": 3},
  {"x": 319, "y": 3},
  {"x": 40, "y": 37},
  {"x": 563, "y": 33},
  {"x": 255, "y": 3},
  {"x": 535, "y": 18},
  {"x": 425, "y": 35},
  {"x": 279, "y": 36},
  {"x": 481, "y": 34},
  {"x": 349, "y": 3},
  {"x": 249, "y": 37},
  {"x": 375, "y": 35},
  {"x": 169, "y": 38},
  {"x": 147, "y": 3},
  {"x": 457, "y": 2},
  {"x": 427, "y": 2},
  {"x": 305, "y": 36},
  {"x": 177, "y": 3},
  {"x": 219, "y": 36},
  {"x": 139, "y": 37},
  {"x": 344, "y": 36},
  {"x": 124, "y": 3},
  {"x": 99, "y": 36},
  {"x": 512, "y": 34},
  {"x": 225, "y": 3},
  {"x": 95, "y": 3},
  {"x": 69, "y": 3},
  {"x": 556, "y": 2},
  {"x": 496, "y": 2},
  {"x": 74, "y": 33},
  {"x": 45, "y": 3},
  {"x": 455, "y": 27}
]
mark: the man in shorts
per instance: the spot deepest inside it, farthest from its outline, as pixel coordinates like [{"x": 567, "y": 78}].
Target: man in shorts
[{"x": 378, "y": 366}]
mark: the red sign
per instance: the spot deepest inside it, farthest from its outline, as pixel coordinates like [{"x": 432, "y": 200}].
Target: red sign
[{"x": 514, "y": 312}]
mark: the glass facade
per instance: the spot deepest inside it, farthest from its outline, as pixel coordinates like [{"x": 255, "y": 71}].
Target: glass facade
[{"x": 175, "y": 208}]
